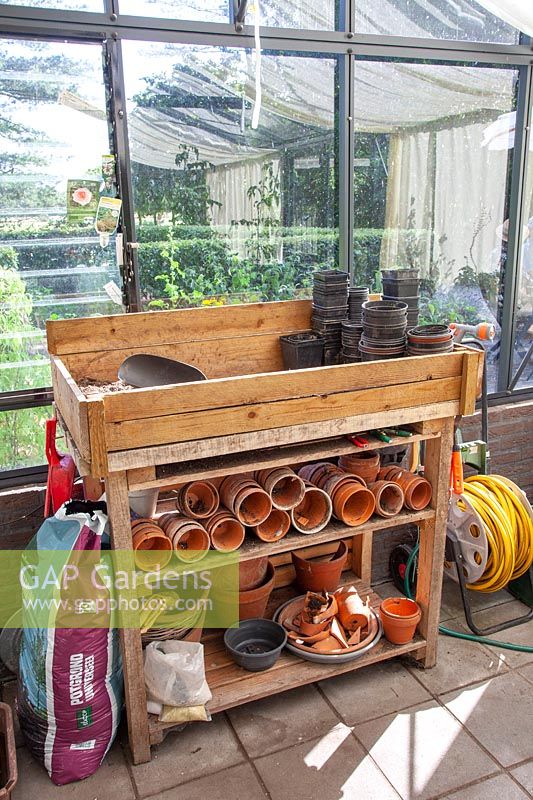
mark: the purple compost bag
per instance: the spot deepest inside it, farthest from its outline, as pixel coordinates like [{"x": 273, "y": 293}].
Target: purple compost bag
[{"x": 70, "y": 679}]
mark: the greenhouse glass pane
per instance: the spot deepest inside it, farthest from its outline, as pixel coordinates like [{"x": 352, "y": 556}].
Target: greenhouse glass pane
[
  {"x": 293, "y": 14},
  {"x": 197, "y": 10},
  {"x": 227, "y": 212},
  {"x": 433, "y": 150},
  {"x": 63, "y": 5},
  {"x": 53, "y": 134},
  {"x": 463, "y": 20},
  {"x": 22, "y": 437}
]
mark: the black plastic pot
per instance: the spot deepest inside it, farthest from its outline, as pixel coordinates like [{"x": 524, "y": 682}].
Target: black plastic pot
[
  {"x": 399, "y": 274},
  {"x": 412, "y": 302},
  {"x": 330, "y": 276},
  {"x": 401, "y": 288},
  {"x": 384, "y": 312},
  {"x": 384, "y": 332},
  {"x": 302, "y": 350},
  {"x": 256, "y": 644}
]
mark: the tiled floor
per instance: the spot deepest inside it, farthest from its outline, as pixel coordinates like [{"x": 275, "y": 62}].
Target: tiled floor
[{"x": 462, "y": 731}]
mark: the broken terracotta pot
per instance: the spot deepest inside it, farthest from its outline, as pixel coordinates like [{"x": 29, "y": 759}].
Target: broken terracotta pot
[
  {"x": 389, "y": 497},
  {"x": 399, "y": 616},
  {"x": 197, "y": 499},
  {"x": 364, "y": 464},
  {"x": 275, "y": 526},
  {"x": 320, "y": 575},
  {"x": 353, "y": 612},
  {"x": 353, "y": 504},
  {"x": 226, "y": 532},
  {"x": 285, "y": 488},
  {"x": 314, "y": 512}
]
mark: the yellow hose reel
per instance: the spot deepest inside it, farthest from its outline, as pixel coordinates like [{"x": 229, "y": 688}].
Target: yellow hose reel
[{"x": 493, "y": 524}]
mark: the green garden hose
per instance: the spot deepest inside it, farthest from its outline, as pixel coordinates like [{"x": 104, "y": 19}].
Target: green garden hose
[{"x": 522, "y": 648}]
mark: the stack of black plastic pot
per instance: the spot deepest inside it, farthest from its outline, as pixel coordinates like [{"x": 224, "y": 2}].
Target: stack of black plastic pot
[
  {"x": 351, "y": 335},
  {"x": 330, "y": 307},
  {"x": 384, "y": 326},
  {"x": 404, "y": 285},
  {"x": 357, "y": 295}
]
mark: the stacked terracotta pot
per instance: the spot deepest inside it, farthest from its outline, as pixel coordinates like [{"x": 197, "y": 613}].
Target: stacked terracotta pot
[
  {"x": 416, "y": 489},
  {"x": 352, "y": 502},
  {"x": 152, "y": 547}
]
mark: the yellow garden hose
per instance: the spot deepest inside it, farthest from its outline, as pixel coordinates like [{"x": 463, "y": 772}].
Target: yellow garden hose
[{"x": 508, "y": 527}]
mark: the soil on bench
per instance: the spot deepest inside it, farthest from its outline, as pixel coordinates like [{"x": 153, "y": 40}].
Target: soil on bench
[{"x": 91, "y": 386}]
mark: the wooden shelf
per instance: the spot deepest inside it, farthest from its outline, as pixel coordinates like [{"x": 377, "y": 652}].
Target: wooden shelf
[
  {"x": 253, "y": 547},
  {"x": 219, "y": 466},
  {"x": 232, "y": 686}
]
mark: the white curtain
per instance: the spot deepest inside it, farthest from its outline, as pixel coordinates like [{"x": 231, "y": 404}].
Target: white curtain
[{"x": 518, "y": 13}]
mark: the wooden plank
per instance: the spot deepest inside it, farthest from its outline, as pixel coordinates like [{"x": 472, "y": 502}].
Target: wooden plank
[
  {"x": 240, "y": 442},
  {"x": 130, "y": 638},
  {"x": 467, "y": 403},
  {"x": 142, "y": 477},
  {"x": 433, "y": 538},
  {"x": 262, "y": 388},
  {"x": 217, "y": 358},
  {"x": 362, "y": 555},
  {"x": 72, "y": 405},
  {"x": 219, "y": 466},
  {"x": 261, "y": 416},
  {"x": 184, "y": 325},
  {"x": 97, "y": 435}
]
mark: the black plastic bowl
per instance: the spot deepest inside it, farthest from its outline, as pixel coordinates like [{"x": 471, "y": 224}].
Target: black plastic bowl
[{"x": 256, "y": 644}]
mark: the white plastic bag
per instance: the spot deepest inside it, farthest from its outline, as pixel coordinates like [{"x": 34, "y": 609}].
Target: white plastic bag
[{"x": 174, "y": 673}]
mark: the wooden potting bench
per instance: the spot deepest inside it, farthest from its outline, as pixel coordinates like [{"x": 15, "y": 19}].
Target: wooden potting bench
[{"x": 250, "y": 414}]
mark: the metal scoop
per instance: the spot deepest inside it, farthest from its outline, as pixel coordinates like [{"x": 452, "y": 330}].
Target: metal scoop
[{"x": 145, "y": 370}]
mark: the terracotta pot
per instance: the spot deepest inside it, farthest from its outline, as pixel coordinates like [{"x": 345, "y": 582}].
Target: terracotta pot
[
  {"x": 320, "y": 575},
  {"x": 353, "y": 504},
  {"x": 285, "y": 488},
  {"x": 400, "y": 617},
  {"x": 389, "y": 498},
  {"x": 231, "y": 486},
  {"x": 246, "y": 499},
  {"x": 336, "y": 481},
  {"x": 365, "y": 464},
  {"x": 275, "y": 526},
  {"x": 307, "y": 472},
  {"x": 153, "y": 550},
  {"x": 197, "y": 499},
  {"x": 314, "y": 512},
  {"x": 252, "y": 505},
  {"x": 252, "y": 573},
  {"x": 417, "y": 491},
  {"x": 253, "y": 603},
  {"x": 226, "y": 532},
  {"x": 191, "y": 542}
]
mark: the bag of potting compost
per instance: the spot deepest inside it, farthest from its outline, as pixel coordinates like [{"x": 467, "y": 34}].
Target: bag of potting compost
[{"x": 70, "y": 678}]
